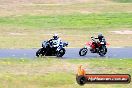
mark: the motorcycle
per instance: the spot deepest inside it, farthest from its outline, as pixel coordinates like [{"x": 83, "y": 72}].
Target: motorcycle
[
  {"x": 52, "y": 49},
  {"x": 94, "y": 47}
]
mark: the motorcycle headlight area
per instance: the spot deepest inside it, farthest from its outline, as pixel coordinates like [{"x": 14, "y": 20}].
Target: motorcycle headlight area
[
  {"x": 102, "y": 43},
  {"x": 43, "y": 44}
]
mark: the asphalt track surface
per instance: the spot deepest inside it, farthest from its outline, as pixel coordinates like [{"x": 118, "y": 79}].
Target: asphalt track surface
[{"x": 71, "y": 53}]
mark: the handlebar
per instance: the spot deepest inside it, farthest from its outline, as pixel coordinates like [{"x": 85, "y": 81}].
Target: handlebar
[{"x": 93, "y": 39}]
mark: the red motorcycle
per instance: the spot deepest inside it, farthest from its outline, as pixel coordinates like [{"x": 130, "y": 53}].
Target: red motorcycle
[{"x": 95, "y": 47}]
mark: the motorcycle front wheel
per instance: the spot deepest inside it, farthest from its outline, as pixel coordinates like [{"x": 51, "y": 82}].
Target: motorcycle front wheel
[
  {"x": 83, "y": 51},
  {"x": 61, "y": 52}
]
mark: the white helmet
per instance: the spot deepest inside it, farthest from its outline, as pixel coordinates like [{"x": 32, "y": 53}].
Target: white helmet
[{"x": 55, "y": 36}]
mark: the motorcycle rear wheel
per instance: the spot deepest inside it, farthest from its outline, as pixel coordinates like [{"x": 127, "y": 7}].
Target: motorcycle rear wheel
[{"x": 103, "y": 51}]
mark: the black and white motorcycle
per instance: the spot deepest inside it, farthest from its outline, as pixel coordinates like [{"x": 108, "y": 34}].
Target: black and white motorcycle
[{"x": 52, "y": 48}]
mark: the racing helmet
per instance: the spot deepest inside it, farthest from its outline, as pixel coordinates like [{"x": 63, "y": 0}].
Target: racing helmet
[
  {"x": 55, "y": 36},
  {"x": 100, "y": 35}
]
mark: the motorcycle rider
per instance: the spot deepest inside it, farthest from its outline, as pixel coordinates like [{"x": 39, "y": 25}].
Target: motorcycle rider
[
  {"x": 55, "y": 41},
  {"x": 101, "y": 38}
]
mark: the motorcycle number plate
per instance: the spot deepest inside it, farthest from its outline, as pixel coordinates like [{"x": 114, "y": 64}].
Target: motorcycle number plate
[{"x": 102, "y": 43}]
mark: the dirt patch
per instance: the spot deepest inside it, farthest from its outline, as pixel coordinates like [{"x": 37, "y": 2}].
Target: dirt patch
[
  {"x": 20, "y": 7},
  {"x": 47, "y": 7},
  {"x": 13, "y": 33},
  {"x": 122, "y": 32},
  {"x": 47, "y": 1}
]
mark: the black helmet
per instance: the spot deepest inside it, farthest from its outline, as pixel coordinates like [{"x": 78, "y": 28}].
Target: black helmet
[{"x": 100, "y": 35}]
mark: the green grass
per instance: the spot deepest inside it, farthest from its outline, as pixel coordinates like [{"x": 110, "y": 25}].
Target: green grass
[
  {"x": 108, "y": 62},
  {"x": 73, "y": 21},
  {"x": 123, "y": 1},
  {"x": 27, "y": 31},
  {"x": 36, "y": 81},
  {"x": 58, "y": 73}
]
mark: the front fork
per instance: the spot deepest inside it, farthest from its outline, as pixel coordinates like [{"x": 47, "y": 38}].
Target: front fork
[
  {"x": 86, "y": 47},
  {"x": 58, "y": 48}
]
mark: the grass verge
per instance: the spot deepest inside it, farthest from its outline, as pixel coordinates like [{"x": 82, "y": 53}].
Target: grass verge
[
  {"x": 58, "y": 73},
  {"x": 73, "y": 21},
  {"x": 123, "y": 1},
  {"x": 27, "y": 31}
]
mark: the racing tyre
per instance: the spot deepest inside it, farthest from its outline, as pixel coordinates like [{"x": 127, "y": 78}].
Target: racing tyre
[
  {"x": 83, "y": 51},
  {"x": 103, "y": 51},
  {"x": 61, "y": 52}
]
